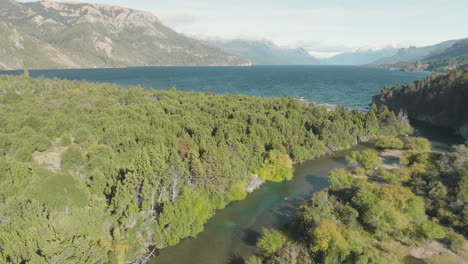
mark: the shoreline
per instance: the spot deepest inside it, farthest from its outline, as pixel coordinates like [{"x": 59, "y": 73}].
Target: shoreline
[{"x": 123, "y": 67}]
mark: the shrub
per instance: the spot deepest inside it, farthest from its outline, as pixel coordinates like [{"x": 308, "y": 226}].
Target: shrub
[
  {"x": 367, "y": 158},
  {"x": 417, "y": 143},
  {"x": 72, "y": 158},
  {"x": 389, "y": 142},
  {"x": 386, "y": 175},
  {"x": 271, "y": 240},
  {"x": 402, "y": 174},
  {"x": 254, "y": 260},
  {"x": 360, "y": 171},
  {"x": 325, "y": 235},
  {"x": 277, "y": 168},
  {"x": 432, "y": 230},
  {"x": 339, "y": 179},
  {"x": 66, "y": 140}
]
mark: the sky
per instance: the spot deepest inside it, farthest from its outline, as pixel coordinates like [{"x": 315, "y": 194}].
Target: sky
[{"x": 324, "y": 27}]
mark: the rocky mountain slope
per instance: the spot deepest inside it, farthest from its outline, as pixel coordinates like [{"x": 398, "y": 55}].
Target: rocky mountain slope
[
  {"x": 412, "y": 53},
  {"x": 49, "y": 34},
  {"x": 438, "y": 99},
  {"x": 459, "y": 48},
  {"x": 452, "y": 58},
  {"x": 264, "y": 52}
]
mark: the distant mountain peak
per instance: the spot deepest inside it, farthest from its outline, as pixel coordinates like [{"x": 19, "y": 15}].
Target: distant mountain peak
[
  {"x": 71, "y": 34},
  {"x": 413, "y": 53},
  {"x": 265, "y": 52}
]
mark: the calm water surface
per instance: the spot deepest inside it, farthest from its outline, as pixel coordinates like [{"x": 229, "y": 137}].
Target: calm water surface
[{"x": 352, "y": 86}]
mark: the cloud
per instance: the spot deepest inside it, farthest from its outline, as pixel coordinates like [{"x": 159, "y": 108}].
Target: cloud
[{"x": 177, "y": 18}]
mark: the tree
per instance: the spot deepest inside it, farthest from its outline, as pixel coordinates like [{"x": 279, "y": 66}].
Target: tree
[
  {"x": 72, "y": 158},
  {"x": 389, "y": 142},
  {"x": 340, "y": 179},
  {"x": 417, "y": 143},
  {"x": 271, "y": 240},
  {"x": 431, "y": 230},
  {"x": 254, "y": 260},
  {"x": 367, "y": 158},
  {"x": 277, "y": 168}
]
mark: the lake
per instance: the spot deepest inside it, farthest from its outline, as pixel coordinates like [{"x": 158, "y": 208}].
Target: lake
[{"x": 352, "y": 86}]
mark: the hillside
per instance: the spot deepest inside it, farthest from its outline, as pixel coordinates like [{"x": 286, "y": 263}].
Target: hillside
[
  {"x": 438, "y": 65},
  {"x": 360, "y": 57},
  {"x": 93, "y": 173},
  {"x": 263, "y": 52},
  {"x": 412, "y": 53},
  {"x": 459, "y": 48},
  {"x": 49, "y": 34},
  {"x": 440, "y": 100},
  {"x": 453, "y": 58}
]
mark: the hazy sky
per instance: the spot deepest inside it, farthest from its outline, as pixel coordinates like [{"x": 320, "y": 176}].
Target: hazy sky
[{"x": 324, "y": 26}]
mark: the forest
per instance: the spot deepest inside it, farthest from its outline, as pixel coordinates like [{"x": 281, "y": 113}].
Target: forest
[
  {"x": 375, "y": 213},
  {"x": 439, "y": 99},
  {"x": 94, "y": 173}
]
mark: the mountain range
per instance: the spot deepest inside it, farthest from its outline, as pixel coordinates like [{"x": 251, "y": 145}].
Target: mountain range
[
  {"x": 414, "y": 53},
  {"x": 265, "y": 52},
  {"x": 361, "y": 56},
  {"x": 443, "y": 57},
  {"x": 49, "y": 34}
]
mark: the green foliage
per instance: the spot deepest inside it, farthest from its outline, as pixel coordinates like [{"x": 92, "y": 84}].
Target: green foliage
[
  {"x": 184, "y": 217},
  {"x": 388, "y": 208},
  {"x": 432, "y": 230},
  {"x": 390, "y": 142},
  {"x": 276, "y": 168},
  {"x": 367, "y": 158},
  {"x": 417, "y": 143},
  {"x": 254, "y": 260},
  {"x": 355, "y": 221},
  {"x": 124, "y": 168},
  {"x": 325, "y": 236},
  {"x": 401, "y": 174},
  {"x": 72, "y": 158},
  {"x": 442, "y": 181},
  {"x": 439, "y": 98},
  {"x": 340, "y": 178},
  {"x": 66, "y": 140},
  {"x": 58, "y": 191},
  {"x": 271, "y": 240}
]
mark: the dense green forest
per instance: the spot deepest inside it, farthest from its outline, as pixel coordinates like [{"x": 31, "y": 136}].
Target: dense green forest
[
  {"x": 93, "y": 173},
  {"x": 437, "y": 99},
  {"x": 375, "y": 213}
]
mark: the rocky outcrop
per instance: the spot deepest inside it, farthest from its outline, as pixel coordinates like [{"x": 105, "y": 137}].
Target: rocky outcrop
[
  {"x": 253, "y": 184},
  {"x": 441, "y": 100},
  {"x": 48, "y": 34},
  {"x": 415, "y": 67}
]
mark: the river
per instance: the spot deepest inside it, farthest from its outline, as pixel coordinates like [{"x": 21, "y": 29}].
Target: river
[{"x": 230, "y": 236}]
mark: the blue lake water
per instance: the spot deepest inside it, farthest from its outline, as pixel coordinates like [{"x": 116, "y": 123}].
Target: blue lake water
[{"x": 351, "y": 86}]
